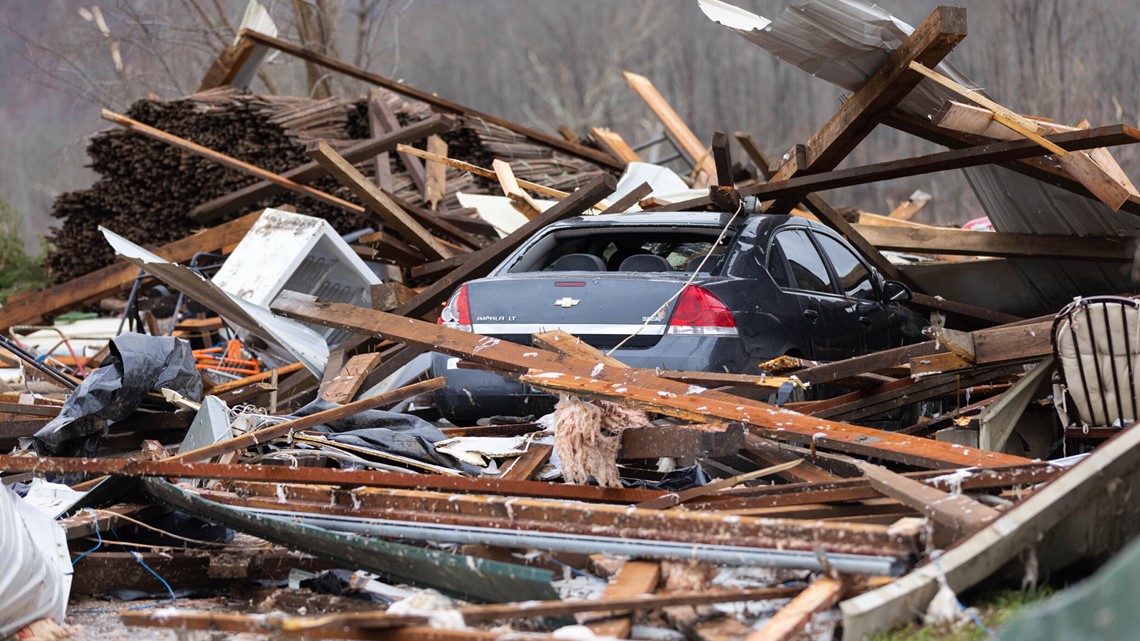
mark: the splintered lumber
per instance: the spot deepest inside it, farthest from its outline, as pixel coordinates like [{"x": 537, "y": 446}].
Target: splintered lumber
[
  {"x": 632, "y": 198},
  {"x": 471, "y": 577},
  {"x": 511, "y": 189},
  {"x": 914, "y": 204},
  {"x": 524, "y": 467},
  {"x": 932, "y": 240},
  {"x": 376, "y": 201},
  {"x": 350, "y": 378},
  {"x": 310, "y": 171},
  {"x": 615, "y": 144},
  {"x": 722, "y": 159},
  {"x": 634, "y": 578},
  {"x": 381, "y": 164},
  {"x": 789, "y": 623},
  {"x": 957, "y": 511},
  {"x": 928, "y": 44},
  {"x": 436, "y": 174},
  {"x": 1080, "y": 166},
  {"x": 378, "y": 110},
  {"x": 688, "y": 142},
  {"x": 109, "y": 280},
  {"x": 1080, "y": 509},
  {"x": 553, "y": 371},
  {"x": 439, "y": 104}
]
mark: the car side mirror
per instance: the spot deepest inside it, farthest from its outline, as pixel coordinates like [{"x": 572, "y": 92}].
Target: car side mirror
[{"x": 896, "y": 292}]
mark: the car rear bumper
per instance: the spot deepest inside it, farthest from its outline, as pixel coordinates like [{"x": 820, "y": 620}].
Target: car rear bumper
[{"x": 474, "y": 394}]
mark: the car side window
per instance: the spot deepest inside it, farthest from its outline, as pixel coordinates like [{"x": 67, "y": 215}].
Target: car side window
[
  {"x": 808, "y": 269},
  {"x": 854, "y": 277}
]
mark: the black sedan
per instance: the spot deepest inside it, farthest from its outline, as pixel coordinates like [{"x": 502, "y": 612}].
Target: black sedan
[{"x": 770, "y": 286}]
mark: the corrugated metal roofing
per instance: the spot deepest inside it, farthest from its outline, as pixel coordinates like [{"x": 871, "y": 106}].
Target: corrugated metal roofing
[{"x": 845, "y": 41}]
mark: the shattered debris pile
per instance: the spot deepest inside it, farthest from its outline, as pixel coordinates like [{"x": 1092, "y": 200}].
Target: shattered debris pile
[{"x": 303, "y": 394}]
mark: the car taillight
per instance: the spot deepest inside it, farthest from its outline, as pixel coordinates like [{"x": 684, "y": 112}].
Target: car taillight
[
  {"x": 699, "y": 312},
  {"x": 457, "y": 313}
]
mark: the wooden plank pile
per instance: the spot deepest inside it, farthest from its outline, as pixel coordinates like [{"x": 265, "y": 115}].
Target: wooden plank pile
[{"x": 833, "y": 509}]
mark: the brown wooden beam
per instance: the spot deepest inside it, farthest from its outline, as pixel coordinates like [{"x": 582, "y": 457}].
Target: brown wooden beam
[{"x": 932, "y": 240}]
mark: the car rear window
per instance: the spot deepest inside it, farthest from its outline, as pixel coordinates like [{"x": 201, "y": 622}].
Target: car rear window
[{"x": 622, "y": 250}]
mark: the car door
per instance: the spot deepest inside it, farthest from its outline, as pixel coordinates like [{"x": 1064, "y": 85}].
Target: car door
[
  {"x": 830, "y": 321},
  {"x": 863, "y": 300}
]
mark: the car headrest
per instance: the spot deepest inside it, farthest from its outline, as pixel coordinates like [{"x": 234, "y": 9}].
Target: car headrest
[
  {"x": 695, "y": 262},
  {"x": 579, "y": 263},
  {"x": 645, "y": 263}
]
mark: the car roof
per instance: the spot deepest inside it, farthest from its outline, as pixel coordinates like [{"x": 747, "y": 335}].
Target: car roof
[{"x": 697, "y": 218}]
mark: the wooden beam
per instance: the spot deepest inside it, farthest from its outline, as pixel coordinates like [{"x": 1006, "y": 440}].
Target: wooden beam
[
  {"x": 523, "y": 468},
  {"x": 382, "y": 164},
  {"x": 436, "y": 173},
  {"x": 376, "y": 201},
  {"x": 520, "y": 200},
  {"x": 343, "y": 388},
  {"x": 439, "y": 104},
  {"x": 928, "y": 44},
  {"x": 634, "y": 578},
  {"x": 906, "y": 210},
  {"x": 109, "y": 280},
  {"x": 688, "y": 142},
  {"x": 579, "y": 376},
  {"x": 962, "y": 514},
  {"x": 615, "y": 144},
  {"x": 933, "y": 240},
  {"x": 789, "y": 622},
  {"x": 412, "y": 165},
  {"x": 722, "y": 159}
]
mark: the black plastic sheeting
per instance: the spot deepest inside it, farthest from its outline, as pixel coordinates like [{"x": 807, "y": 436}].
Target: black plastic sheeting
[
  {"x": 679, "y": 479},
  {"x": 135, "y": 365},
  {"x": 389, "y": 432}
]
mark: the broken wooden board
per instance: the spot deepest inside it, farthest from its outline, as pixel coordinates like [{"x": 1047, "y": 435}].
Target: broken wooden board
[
  {"x": 789, "y": 622},
  {"x": 634, "y": 577},
  {"x": 690, "y": 145},
  {"x": 580, "y": 376},
  {"x": 347, "y": 383}
]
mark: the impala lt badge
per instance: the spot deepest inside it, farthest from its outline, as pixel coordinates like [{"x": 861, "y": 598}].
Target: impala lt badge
[{"x": 566, "y": 302}]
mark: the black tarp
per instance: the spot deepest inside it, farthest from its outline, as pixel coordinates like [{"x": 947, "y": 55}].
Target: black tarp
[{"x": 135, "y": 365}]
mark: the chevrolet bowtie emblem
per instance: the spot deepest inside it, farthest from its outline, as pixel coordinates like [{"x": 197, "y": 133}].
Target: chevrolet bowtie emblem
[{"x": 567, "y": 302}]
